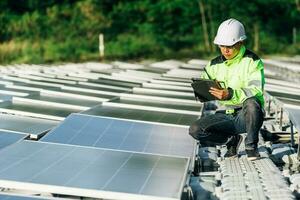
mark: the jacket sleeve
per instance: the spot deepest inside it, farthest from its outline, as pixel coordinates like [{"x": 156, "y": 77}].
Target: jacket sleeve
[
  {"x": 209, "y": 70},
  {"x": 254, "y": 84}
]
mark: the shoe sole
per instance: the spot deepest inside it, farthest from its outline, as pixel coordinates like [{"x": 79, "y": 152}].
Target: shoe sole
[
  {"x": 237, "y": 148},
  {"x": 253, "y": 158}
]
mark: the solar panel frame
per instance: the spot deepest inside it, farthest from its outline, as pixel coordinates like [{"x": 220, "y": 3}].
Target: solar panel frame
[{"x": 15, "y": 196}]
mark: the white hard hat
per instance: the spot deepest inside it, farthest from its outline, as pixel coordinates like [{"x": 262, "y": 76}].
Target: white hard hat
[{"x": 230, "y": 32}]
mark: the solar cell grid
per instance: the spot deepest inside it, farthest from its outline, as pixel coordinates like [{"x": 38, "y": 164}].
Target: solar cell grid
[
  {"x": 91, "y": 172},
  {"x": 110, "y": 133},
  {"x": 7, "y": 138}
]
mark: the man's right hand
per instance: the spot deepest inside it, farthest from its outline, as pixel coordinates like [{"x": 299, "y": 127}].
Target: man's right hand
[{"x": 221, "y": 94}]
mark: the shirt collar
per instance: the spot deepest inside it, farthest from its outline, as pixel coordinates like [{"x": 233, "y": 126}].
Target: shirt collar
[{"x": 237, "y": 58}]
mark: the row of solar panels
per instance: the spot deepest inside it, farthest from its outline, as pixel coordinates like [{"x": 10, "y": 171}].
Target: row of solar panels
[
  {"x": 139, "y": 145},
  {"x": 140, "y": 136}
]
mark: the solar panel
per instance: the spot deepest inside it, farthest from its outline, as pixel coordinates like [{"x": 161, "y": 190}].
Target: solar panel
[
  {"x": 65, "y": 100},
  {"x": 32, "y": 109},
  {"x": 103, "y": 87},
  {"x": 18, "y": 90},
  {"x": 150, "y": 108},
  {"x": 157, "y": 99},
  {"x": 168, "y": 87},
  {"x": 91, "y": 172},
  {"x": 184, "y": 80},
  {"x": 166, "y": 82},
  {"x": 291, "y": 101},
  {"x": 152, "y": 70},
  {"x": 19, "y": 197},
  {"x": 145, "y": 115},
  {"x": 164, "y": 93},
  {"x": 27, "y": 125},
  {"x": 7, "y": 138},
  {"x": 115, "y": 82},
  {"x": 125, "y": 135},
  {"x": 71, "y": 90},
  {"x": 285, "y": 94},
  {"x": 294, "y": 115},
  {"x": 179, "y": 106},
  {"x": 45, "y": 103}
]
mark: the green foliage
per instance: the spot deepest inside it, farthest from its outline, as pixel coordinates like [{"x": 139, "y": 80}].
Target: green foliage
[
  {"x": 130, "y": 46},
  {"x": 52, "y": 31}
]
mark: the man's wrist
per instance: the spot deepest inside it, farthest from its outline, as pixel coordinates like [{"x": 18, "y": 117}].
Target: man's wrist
[{"x": 230, "y": 94}]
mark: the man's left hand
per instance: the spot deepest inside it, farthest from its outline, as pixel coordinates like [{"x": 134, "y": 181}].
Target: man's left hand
[{"x": 221, "y": 94}]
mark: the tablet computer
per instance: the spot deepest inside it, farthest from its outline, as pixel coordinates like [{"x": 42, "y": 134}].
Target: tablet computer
[{"x": 201, "y": 88}]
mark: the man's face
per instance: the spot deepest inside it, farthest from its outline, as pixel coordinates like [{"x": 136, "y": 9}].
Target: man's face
[{"x": 230, "y": 52}]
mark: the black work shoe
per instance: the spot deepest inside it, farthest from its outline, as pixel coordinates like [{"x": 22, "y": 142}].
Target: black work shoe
[
  {"x": 252, "y": 154},
  {"x": 233, "y": 146}
]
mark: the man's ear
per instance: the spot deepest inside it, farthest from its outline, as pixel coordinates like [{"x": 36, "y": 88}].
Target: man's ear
[{"x": 239, "y": 44}]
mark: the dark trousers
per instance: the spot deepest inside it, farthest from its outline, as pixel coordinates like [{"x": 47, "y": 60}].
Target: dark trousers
[{"x": 216, "y": 129}]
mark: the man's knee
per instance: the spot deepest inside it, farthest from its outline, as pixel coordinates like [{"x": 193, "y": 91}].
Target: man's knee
[
  {"x": 195, "y": 131},
  {"x": 252, "y": 105}
]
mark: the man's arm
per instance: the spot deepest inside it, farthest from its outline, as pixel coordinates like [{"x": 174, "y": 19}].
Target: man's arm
[{"x": 255, "y": 84}]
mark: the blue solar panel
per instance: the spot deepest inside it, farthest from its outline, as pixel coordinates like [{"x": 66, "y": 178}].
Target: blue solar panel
[
  {"x": 8, "y": 138},
  {"x": 126, "y": 135},
  {"x": 91, "y": 172},
  {"x": 142, "y": 115},
  {"x": 19, "y": 197}
]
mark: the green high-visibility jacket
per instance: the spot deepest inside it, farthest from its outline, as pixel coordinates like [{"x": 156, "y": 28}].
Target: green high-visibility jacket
[{"x": 244, "y": 74}]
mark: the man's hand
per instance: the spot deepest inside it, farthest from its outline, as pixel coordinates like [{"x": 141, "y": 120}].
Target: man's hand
[{"x": 220, "y": 94}]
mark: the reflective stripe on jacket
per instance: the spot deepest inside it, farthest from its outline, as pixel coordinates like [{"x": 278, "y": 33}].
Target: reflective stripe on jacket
[{"x": 244, "y": 74}]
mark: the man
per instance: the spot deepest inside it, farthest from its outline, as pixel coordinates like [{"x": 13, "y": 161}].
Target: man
[{"x": 242, "y": 97}]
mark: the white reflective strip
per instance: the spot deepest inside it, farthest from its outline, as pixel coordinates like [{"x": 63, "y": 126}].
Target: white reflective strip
[
  {"x": 247, "y": 92},
  {"x": 255, "y": 83}
]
